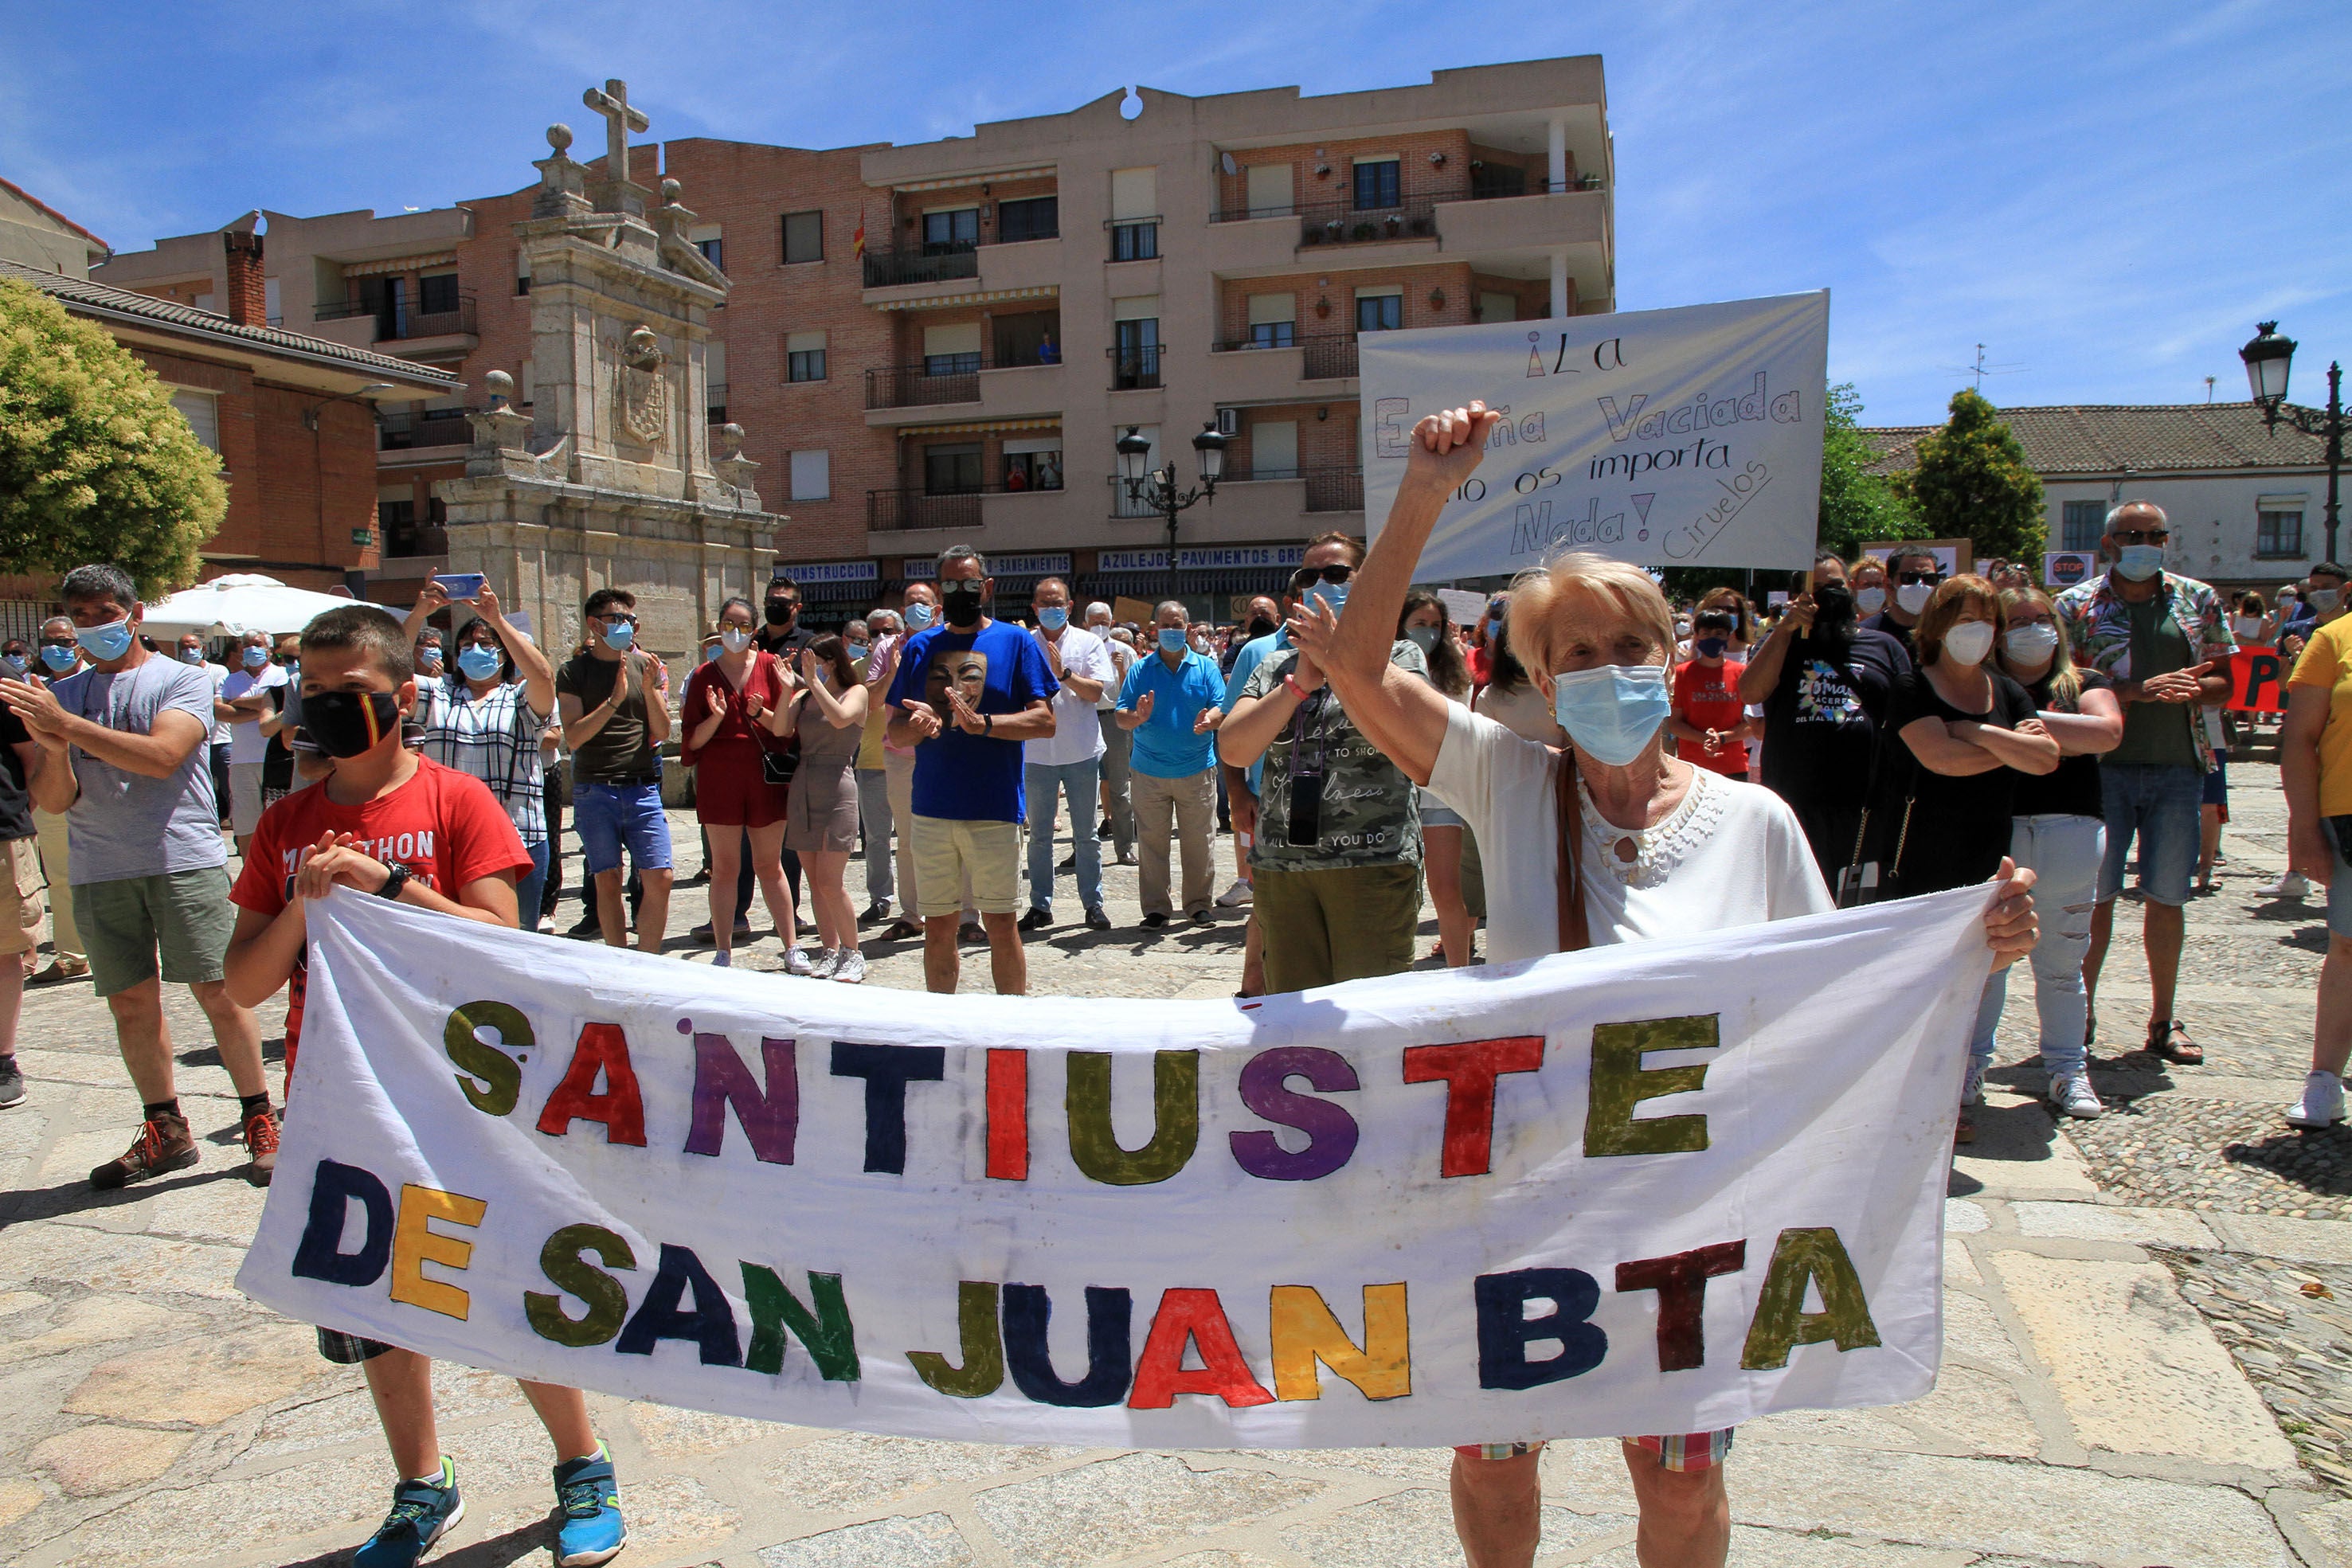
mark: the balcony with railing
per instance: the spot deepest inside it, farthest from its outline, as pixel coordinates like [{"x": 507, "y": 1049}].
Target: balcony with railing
[
  {"x": 409, "y": 432},
  {"x": 1322, "y": 356},
  {"x": 1134, "y": 368},
  {"x": 923, "y": 264},
  {"x": 1133, "y": 239},
  {"x": 940, "y": 379},
  {"x": 1250, "y": 499},
  {"x": 404, "y": 321}
]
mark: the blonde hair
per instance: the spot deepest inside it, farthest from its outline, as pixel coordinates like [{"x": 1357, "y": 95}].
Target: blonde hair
[
  {"x": 1860, "y": 563},
  {"x": 2065, "y": 679},
  {"x": 1730, "y": 599},
  {"x": 1566, "y": 580},
  {"x": 1967, "y": 592}
]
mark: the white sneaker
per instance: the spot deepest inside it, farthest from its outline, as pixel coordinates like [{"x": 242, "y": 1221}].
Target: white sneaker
[
  {"x": 796, "y": 962},
  {"x": 822, "y": 967},
  {"x": 1972, "y": 1086},
  {"x": 851, "y": 970},
  {"x": 1236, "y": 895},
  {"x": 2292, "y": 884},
  {"x": 2071, "y": 1095},
  {"x": 2322, "y": 1106}
]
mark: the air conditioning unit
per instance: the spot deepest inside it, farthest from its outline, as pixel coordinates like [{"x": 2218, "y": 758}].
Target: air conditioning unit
[{"x": 1228, "y": 422}]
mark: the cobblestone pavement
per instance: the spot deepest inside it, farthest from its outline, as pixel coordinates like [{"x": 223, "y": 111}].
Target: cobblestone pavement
[{"x": 2109, "y": 1289}]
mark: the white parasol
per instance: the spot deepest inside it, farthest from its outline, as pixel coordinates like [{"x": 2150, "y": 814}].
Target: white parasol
[{"x": 233, "y": 605}]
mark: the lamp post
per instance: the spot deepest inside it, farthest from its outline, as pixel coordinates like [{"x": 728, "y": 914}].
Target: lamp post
[
  {"x": 2268, "y": 359},
  {"x": 1157, "y": 488}
]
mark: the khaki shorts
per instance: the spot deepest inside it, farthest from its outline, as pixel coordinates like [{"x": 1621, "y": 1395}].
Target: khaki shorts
[
  {"x": 946, "y": 852},
  {"x": 20, "y": 898},
  {"x": 185, "y": 915}
]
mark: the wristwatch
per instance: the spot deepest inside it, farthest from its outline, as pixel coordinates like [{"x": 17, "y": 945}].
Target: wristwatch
[
  {"x": 988, "y": 724},
  {"x": 393, "y": 883}
]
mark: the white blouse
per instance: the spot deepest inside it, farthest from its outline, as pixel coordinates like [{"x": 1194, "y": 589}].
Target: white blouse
[{"x": 1730, "y": 854}]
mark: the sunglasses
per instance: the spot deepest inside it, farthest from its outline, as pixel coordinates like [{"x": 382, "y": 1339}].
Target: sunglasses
[
  {"x": 1914, "y": 579},
  {"x": 1308, "y": 574},
  {"x": 2142, "y": 535},
  {"x": 621, "y": 616}
]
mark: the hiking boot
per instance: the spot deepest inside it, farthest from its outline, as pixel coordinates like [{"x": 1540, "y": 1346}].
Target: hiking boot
[
  {"x": 261, "y": 1144},
  {"x": 12, "y": 1082},
  {"x": 590, "y": 1497},
  {"x": 421, "y": 1513},
  {"x": 162, "y": 1145}
]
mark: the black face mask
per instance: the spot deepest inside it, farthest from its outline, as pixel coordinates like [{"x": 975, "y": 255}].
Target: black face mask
[
  {"x": 1832, "y": 601},
  {"x": 780, "y": 613},
  {"x": 1261, "y": 627},
  {"x": 346, "y": 724},
  {"x": 959, "y": 602}
]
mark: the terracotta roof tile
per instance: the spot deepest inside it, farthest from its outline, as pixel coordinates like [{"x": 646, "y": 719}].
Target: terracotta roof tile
[{"x": 2116, "y": 439}]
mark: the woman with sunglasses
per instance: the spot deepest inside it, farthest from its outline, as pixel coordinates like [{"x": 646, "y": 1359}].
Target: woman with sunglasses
[
  {"x": 486, "y": 714},
  {"x": 2058, "y": 827}
]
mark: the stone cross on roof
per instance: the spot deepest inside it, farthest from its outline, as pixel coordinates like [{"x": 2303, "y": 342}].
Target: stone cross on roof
[{"x": 620, "y": 118}]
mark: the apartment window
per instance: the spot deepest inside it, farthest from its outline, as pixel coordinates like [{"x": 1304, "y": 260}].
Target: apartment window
[
  {"x": 804, "y": 237},
  {"x": 202, "y": 410},
  {"x": 1135, "y": 342},
  {"x": 1135, "y": 242},
  {"x": 1273, "y": 449},
  {"x": 707, "y": 238},
  {"x": 1376, "y": 183},
  {"x": 437, "y": 293},
  {"x": 953, "y": 350},
  {"x": 1492, "y": 178},
  {"x": 951, "y": 470},
  {"x": 1380, "y": 309},
  {"x": 1134, "y": 214},
  {"x": 522, "y": 275},
  {"x": 2081, "y": 523},
  {"x": 1034, "y": 463},
  {"x": 1036, "y": 217},
  {"x": 714, "y": 367},
  {"x": 1493, "y": 305},
  {"x": 812, "y": 475},
  {"x": 2278, "y": 534},
  {"x": 957, "y": 229},
  {"x": 805, "y": 356},
  {"x": 1269, "y": 190},
  {"x": 1272, "y": 321}
]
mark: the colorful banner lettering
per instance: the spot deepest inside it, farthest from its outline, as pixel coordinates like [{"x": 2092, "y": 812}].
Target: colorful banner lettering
[
  {"x": 2258, "y": 679},
  {"x": 1654, "y": 1189}
]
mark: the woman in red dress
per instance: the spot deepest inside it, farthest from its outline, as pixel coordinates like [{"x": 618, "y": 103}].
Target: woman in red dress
[{"x": 734, "y": 705}]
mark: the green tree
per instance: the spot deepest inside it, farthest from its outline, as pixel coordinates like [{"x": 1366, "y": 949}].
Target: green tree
[
  {"x": 1972, "y": 483},
  {"x": 95, "y": 462},
  {"x": 1857, "y": 506}
]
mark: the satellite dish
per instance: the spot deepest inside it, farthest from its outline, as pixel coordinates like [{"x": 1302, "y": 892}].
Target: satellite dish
[{"x": 1225, "y": 162}]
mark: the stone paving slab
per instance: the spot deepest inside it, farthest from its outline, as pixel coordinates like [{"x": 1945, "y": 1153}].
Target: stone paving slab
[{"x": 2095, "y": 1405}]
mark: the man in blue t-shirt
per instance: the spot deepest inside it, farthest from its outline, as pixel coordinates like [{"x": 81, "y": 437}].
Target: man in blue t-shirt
[
  {"x": 968, "y": 693},
  {"x": 1173, "y": 701}
]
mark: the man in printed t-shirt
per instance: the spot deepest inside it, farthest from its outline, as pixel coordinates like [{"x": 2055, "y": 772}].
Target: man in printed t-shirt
[
  {"x": 966, "y": 695},
  {"x": 390, "y": 822}
]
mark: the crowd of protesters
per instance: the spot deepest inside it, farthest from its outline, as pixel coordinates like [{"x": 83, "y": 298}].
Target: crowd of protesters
[{"x": 1582, "y": 761}]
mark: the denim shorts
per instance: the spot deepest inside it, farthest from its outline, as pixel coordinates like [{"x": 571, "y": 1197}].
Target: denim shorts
[
  {"x": 2157, "y": 803},
  {"x": 611, "y": 818}
]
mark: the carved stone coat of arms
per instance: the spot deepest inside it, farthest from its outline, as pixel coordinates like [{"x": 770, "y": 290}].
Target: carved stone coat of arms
[{"x": 643, "y": 390}]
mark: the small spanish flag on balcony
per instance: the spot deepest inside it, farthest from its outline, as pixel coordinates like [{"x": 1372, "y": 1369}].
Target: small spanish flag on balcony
[{"x": 857, "y": 240}]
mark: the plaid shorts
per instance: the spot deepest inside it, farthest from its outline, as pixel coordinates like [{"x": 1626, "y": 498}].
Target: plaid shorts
[
  {"x": 348, "y": 1349},
  {"x": 1684, "y": 1452}
]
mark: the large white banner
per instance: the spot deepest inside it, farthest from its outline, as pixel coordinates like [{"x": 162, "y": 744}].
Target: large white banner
[
  {"x": 1682, "y": 437},
  {"x": 1657, "y": 1188}
]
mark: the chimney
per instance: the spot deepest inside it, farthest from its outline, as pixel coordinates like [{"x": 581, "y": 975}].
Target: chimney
[{"x": 248, "y": 295}]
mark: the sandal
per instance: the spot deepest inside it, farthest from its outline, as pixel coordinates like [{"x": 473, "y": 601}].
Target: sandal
[
  {"x": 2169, "y": 1040},
  {"x": 1964, "y": 1130}
]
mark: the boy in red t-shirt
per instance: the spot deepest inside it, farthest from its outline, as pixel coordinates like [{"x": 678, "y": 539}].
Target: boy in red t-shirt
[
  {"x": 390, "y": 822},
  {"x": 1709, "y": 723}
]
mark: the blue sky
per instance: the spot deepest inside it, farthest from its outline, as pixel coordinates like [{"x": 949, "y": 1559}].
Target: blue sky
[{"x": 2107, "y": 195}]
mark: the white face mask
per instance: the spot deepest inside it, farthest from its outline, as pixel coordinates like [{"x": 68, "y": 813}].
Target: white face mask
[
  {"x": 2028, "y": 644},
  {"x": 1968, "y": 641},
  {"x": 1869, "y": 600},
  {"x": 735, "y": 639},
  {"x": 1912, "y": 598},
  {"x": 2320, "y": 598}
]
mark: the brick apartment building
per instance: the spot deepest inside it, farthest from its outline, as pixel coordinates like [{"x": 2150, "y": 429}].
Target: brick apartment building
[
  {"x": 292, "y": 416},
  {"x": 940, "y": 342}
]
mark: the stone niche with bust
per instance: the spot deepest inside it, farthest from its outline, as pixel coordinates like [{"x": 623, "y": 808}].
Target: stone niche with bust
[{"x": 602, "y": 473}]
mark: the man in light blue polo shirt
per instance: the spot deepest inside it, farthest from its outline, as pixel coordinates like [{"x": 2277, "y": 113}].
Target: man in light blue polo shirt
[{"x": 1172, "y": 703}]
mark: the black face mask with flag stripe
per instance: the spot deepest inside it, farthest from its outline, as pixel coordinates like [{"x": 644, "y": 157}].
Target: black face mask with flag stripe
[{"x": 346, "y": 724}]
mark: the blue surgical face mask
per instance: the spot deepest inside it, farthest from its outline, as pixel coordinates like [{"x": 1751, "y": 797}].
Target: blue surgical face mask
[
  {"x": 1171, "y": 639},
  {"x": 2137, "y": 563},
  {"x": 257, "y": 658},
  {"x": 858, "y": 650},
  {"x": 1710, "y": 647},
  {"x": 1333, "y": 594},
  {"x": 192, "y": 655},
  {"x": 1424, "y": 637},
  {"x": 105, "y": 642},
  {"x": 479, "y": 662},
  {"x": 57, "y": 658},
  {"x": 619, "y": 635},
  {"x": 1052, "y": 617},
  {"x": 1611, "y": 711},
  {"x": 16, "y": 662},
  {"x": 919, "y": 615}
]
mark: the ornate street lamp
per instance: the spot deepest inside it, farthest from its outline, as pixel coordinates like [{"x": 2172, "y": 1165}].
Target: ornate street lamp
[
  {"x": 2269, "y": 357},
  {"x": 1157, "y": 488}
]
